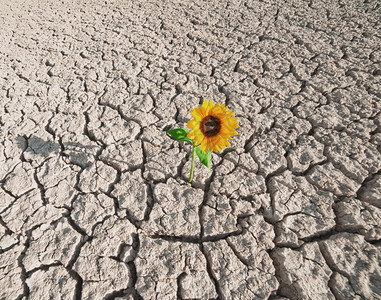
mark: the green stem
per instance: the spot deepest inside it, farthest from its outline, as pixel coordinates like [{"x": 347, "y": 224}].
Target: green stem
[{"x": 192, "y": 165}]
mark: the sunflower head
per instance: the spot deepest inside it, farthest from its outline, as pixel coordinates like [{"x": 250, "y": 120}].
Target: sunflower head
[{"x": 212, "y": 127}]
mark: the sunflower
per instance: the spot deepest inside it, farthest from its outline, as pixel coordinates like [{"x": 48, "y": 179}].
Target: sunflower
[{"x": 213, "y": 125}]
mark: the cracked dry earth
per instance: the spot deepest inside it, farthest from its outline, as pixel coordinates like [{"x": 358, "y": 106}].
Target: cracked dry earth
[{"x": 94, "y": 199}]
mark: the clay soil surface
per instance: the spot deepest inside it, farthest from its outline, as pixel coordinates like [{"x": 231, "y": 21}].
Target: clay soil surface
[{"x": 94, "y": 199}]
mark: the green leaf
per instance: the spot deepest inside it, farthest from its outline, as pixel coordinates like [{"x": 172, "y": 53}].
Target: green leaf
[
  {"x": 204, "y": 157},
  {"x": 180, "y": 134}
]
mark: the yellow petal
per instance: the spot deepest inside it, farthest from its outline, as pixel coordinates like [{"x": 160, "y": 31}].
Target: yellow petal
[
  {"x": 220, "y": 140},
  {"x": 192, "y": 123}
]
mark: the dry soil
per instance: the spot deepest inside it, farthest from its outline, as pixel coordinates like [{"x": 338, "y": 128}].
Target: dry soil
[{"x": 94, "y": 199}]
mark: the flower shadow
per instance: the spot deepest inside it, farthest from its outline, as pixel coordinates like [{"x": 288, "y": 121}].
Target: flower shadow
[{"x": 37, "y": 149}]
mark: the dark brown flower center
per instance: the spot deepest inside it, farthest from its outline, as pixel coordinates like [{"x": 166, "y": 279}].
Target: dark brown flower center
[{"x": 210, "y": 126}]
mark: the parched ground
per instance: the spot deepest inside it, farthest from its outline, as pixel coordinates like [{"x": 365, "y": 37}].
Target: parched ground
[{"x": 94, "y": 199}]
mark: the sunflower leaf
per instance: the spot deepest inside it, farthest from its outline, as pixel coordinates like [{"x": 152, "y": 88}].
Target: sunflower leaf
[
  {"x": 204, "y": 157},
  {"x": 180, "y": 134}
]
